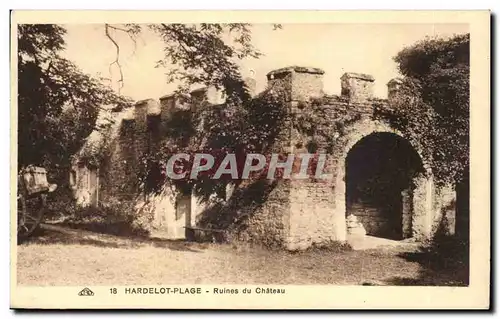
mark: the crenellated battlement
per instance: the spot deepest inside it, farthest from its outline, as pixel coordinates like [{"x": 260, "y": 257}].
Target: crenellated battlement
[{"x": 300, "y": 84}]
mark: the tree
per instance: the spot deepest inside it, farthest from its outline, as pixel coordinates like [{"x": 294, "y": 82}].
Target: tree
[
  {"x": 197, "y": 53},
  {"x": 57, "y": 103},
  {"x": 432, "y": 105},
  {"x": 205, "y": 54}
]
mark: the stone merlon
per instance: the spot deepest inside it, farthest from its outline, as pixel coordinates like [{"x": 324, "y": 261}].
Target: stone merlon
[
  {"x": 167, "y": 96},
  {"x": 357, "y": 87},
  {"x": 360, "y": 76},
  {"x": 151, "y": 107},
  {"x": 300, "y": 83},
  {"x": 394, "y": 84},
  {"x": 393, "y": 87},
  {"x": 297, "y": 69}
]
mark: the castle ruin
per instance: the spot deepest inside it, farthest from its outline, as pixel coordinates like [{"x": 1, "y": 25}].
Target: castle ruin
[{"x": 382, "y": 184}]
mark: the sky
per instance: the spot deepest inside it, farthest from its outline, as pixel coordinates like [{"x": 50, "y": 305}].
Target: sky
[{"x": 335, "y": 48}]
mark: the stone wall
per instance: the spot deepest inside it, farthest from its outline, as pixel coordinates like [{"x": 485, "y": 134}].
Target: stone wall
[
  {"x": 84, "y": 183},
  {"x": 318, "y": 208},
  {"x": 444, "y": 210},
  {"x": 373, "y": 219},
  {"x": 295, "y": 213},
  {"x": 119, "y": 174},
  {"x": 269, "y": 223},
  {"x": 313, "y": 217}
]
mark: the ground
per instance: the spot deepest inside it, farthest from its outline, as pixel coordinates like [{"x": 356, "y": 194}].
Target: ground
[{"x": 63, "y": 256}]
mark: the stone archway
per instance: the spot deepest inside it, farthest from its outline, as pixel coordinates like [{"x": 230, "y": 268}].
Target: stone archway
[
  {"x": 413, "y": 215},
  {"x": 380, "y": 169}
]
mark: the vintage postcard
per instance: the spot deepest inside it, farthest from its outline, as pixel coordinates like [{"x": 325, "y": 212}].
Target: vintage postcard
[{"x": 250, "y": 160}]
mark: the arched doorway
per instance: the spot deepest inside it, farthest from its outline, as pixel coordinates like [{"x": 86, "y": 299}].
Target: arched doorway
[{"x": 380, "y": 170}]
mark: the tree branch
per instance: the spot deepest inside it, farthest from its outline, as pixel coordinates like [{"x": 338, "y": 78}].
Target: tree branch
[
  {"x": 177, "y": 37},
  {"x": 116, "y": 61},
  {"x": 129, "y": 32}
]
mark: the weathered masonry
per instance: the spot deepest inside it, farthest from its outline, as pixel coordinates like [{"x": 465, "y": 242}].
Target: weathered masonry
[{"x": 382, "y": 184}]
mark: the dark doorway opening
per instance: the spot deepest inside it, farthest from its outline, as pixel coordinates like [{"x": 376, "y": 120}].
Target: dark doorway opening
[{"x": 379, "y": 173}]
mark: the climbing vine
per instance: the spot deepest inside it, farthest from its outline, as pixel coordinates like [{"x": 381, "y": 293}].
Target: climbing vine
[
  {"x": 320, "y": 124},
  {"x": 97, "y": 148},
  {"x": 239, "y": 126}
]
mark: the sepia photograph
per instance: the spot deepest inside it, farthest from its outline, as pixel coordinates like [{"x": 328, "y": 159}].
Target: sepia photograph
[{"x": 232, "y": 158}]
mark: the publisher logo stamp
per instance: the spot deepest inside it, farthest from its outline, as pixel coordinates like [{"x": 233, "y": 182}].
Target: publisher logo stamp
[{"x": 86, "y": 292}]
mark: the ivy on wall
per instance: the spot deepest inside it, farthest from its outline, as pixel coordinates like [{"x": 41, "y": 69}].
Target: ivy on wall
[
  {"x": 97, "y": 148},
  {"x": 240, "y": 126},
  {"x": 319, "y": 124},
  {"x": 430, "y": 110}
]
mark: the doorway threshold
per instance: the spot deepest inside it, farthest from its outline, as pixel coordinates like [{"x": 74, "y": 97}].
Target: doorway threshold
[{"x": 363, "y": 242}]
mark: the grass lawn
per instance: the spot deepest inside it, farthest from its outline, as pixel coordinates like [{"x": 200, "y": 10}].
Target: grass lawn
[{"x": 60, "y": 256}]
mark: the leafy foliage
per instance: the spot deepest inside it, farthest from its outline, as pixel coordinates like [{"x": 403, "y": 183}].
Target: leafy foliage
[
  {"x": 96, "y": 151},
  {"x": 432, "y": 105},
  {"x": 58, "y": 103},
  {"x": 205, "y": 53},
  {"x": 200, "y": 54},
  {"x": 229, "y": 128}
]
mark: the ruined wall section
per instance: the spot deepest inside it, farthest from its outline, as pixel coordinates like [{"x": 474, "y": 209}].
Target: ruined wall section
[
  {"x": 444, "y": 211},
  {"x": 332, "y": 125},
  {"x": 274, "y": 222},
  {"x": 317, "y": 214},
  {"x": 320, "y": 123},
  {"x": 129, "y": 141},
  {"x": 118, "y": 176},
  {"x": 268, "y": 223},
  {"x": 295, "y": 214},
  {"x": 135, "y": 133}
]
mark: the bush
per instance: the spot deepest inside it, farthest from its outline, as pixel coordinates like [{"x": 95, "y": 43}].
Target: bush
[
  {"x": 116, "y": 217},
  {"x": 448, "y": 252},
  {"x": 59, "y": 204}
]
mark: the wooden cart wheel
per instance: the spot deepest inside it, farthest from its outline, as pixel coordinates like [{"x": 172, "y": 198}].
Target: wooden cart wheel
[{"x": 30, "y": 211}]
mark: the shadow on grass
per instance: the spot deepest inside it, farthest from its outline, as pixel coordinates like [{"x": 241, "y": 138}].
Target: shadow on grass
[
  {"x": 116, "y": 228},
  {"x": 444, "y": 263},
  {"x": 57, "y": 235}
]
